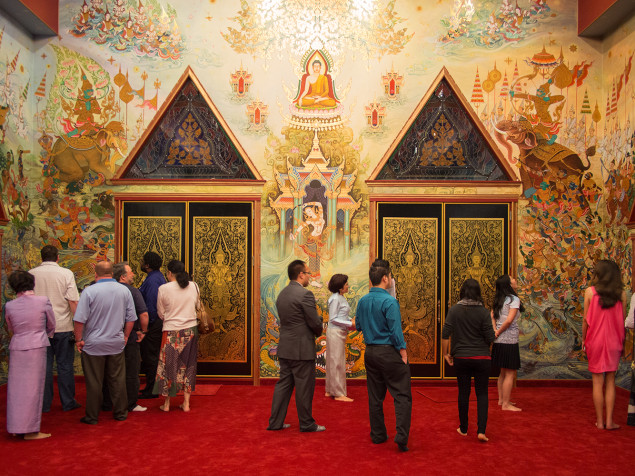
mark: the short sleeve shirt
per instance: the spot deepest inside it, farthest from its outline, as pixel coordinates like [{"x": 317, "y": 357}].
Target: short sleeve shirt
[
  {"x": 104, "y": 308},
  {"x": 57, "y": 284},
  {"x": 509, "y": 335}
]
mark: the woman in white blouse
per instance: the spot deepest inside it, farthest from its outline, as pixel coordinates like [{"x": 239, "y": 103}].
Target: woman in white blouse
[
  {"x": 336, "y": 333},
  {"x": 176, "y": 306}
]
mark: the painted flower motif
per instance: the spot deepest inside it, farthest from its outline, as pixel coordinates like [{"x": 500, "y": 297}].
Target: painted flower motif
[{"x": 295, "y": 150}]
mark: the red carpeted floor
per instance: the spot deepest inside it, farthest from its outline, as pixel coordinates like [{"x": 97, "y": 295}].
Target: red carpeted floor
[{"x": 225, "y": 433}]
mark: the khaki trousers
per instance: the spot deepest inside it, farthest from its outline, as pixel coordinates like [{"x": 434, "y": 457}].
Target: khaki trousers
[{"x": 336, "y": 360}]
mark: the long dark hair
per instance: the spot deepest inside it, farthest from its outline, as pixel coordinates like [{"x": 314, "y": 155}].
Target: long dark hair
[
  {"x": 607, "y": 279},
  {"x": 503, "y": 289},
  {"x": 177, "y": 268}
]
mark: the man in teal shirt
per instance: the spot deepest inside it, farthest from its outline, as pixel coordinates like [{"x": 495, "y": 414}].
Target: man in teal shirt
[{"x": 386, "y": 360}]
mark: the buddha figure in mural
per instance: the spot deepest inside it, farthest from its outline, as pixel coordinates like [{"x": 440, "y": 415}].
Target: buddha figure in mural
[{"x": 316, "y": 86}]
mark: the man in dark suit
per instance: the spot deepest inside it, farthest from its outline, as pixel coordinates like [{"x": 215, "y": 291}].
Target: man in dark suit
[{"x": 299, "y": 326}]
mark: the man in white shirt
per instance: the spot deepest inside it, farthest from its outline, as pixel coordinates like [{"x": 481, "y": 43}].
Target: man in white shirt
[{"x": 58, "y": 284}]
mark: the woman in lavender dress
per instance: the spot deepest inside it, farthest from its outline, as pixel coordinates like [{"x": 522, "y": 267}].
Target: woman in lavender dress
[{"x": 31, "y": 320}]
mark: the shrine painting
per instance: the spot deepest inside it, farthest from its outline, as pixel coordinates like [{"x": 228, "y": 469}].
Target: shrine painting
[{"x": 316, "y": 89}]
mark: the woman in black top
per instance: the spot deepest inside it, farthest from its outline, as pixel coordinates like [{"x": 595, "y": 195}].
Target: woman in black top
[{"x": 470, "y": 326}]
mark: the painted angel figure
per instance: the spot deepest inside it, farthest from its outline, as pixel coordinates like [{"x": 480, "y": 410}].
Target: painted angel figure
[{"x": 313, "y": 222}]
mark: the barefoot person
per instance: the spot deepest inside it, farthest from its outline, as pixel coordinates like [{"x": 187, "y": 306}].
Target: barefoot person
[
  {"x": 603, "y": 336},
  {"x": 506, "y": 309},
  {"x": 339, "y": 325},
  {"x": 31, "y": 320},
  {"x": 469, "y": 325},
  {"x": 176, "y": 306}
]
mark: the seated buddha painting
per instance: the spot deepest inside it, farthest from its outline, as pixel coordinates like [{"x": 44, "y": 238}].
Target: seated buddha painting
[{"x": 316, "y": 86}]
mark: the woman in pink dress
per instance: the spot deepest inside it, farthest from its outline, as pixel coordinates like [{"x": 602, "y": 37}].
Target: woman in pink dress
[
  {"x": 31, "y": 320},
  {"x": 603, "y": 336}
]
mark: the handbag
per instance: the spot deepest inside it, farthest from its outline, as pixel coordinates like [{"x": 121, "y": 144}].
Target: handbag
[{"x": 202, "y": 322}]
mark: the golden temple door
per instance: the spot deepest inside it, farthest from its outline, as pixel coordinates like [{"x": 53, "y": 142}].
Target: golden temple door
[
  {"x": 432, "y": 249},
  {"x": 215, "y": 241}
]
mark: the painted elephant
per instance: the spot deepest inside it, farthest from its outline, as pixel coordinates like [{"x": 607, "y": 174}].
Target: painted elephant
[
  {"x": 540, "y": 161},
  {"x": 74, "y": 157}
]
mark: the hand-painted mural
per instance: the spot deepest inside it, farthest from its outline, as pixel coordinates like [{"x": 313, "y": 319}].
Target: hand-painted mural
[{"x": 316, "y": 100}]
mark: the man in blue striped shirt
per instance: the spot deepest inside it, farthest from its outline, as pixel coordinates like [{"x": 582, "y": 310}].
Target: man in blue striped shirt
[{"x": 386, "y": 360}]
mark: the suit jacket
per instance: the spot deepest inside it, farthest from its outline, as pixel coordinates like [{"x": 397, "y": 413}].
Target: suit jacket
[
  {"x": 30, "y": 318},
  {"x": 299, "y": 323}
]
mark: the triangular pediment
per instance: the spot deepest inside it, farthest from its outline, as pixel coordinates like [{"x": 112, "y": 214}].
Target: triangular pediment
[
  {"x": 188, "y": 141},
  {"x": 443, "y": 141}
]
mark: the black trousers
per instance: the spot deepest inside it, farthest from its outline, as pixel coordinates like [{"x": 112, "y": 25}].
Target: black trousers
[
  {"x": 96, "y": 369},
  {"x": 301, "y": 375},
  {"x": 465, "y": 370},
  {"x": 385, "y": 370},
  {"x": 132, "y": 357},
  {"x": 150, "y": 349}
]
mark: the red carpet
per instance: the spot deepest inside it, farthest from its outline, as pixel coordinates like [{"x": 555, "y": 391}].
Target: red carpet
[
  {"x": 205, "y": 389},
  {"x": 225, "y": 434},
  {"x": 450, "y": 394}
]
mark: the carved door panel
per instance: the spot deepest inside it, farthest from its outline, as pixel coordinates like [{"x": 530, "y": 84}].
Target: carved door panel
[
  {"x": 220, "y": 262},
  {"x": 151, "y": 226},
  {"x": 432, "y": 249},
  {"x": 410, "y": 239},
  {"x": 214, "y": 240},
  {"x": 477, "y": 246}
]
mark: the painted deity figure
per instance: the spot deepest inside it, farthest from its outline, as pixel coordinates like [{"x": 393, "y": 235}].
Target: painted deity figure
[
  {"x": 410, "y": 280},
  {"x": 151, "y": 36},
  {"x": 220, "y": 279},
  {"x": 478, "y": 272},
  {"x": 128, "y": 31},
  {"x": 316, "y": 88},
  {"x": 313, "y": 222},
  {"x": 542, "y": 102},
  {"x": 106, "y": 24}
]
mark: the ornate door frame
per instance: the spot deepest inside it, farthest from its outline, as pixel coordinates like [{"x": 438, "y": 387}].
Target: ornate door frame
[
  {"x": 252, "y": 198},
  {"x": 510, "y": 199}
]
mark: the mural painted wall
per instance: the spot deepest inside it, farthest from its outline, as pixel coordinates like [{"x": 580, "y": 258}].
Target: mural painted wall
[{"x": 316, "y": 100}]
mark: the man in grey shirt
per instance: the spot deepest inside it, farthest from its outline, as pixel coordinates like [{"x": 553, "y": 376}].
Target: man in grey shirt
[{"x": 103, "y": 321}]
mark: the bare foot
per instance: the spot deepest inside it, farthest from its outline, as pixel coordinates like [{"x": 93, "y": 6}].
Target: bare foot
[
  {"x": 460, "y": 432},
  {"x": 343, "y": 398},
  {"x": 500, "y": 403},
  {"x": 482, "y": 437},
  {"x": 327, "y": 394},
  {"x": 184, "y": 408},
  {"x": 612, "y": 426},
  {"x": 511, "y": 408},
  {"x": 599, "y": 426},
  {"x": 36, "y": 436},
  {"x": 164, "y": 408}
]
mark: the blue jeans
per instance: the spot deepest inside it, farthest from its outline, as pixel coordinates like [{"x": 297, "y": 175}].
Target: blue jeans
[{"x": 64, "y": 352}]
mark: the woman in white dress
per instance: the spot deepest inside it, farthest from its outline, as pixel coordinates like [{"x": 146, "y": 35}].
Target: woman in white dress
[{"x": 337, "y": 331}]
